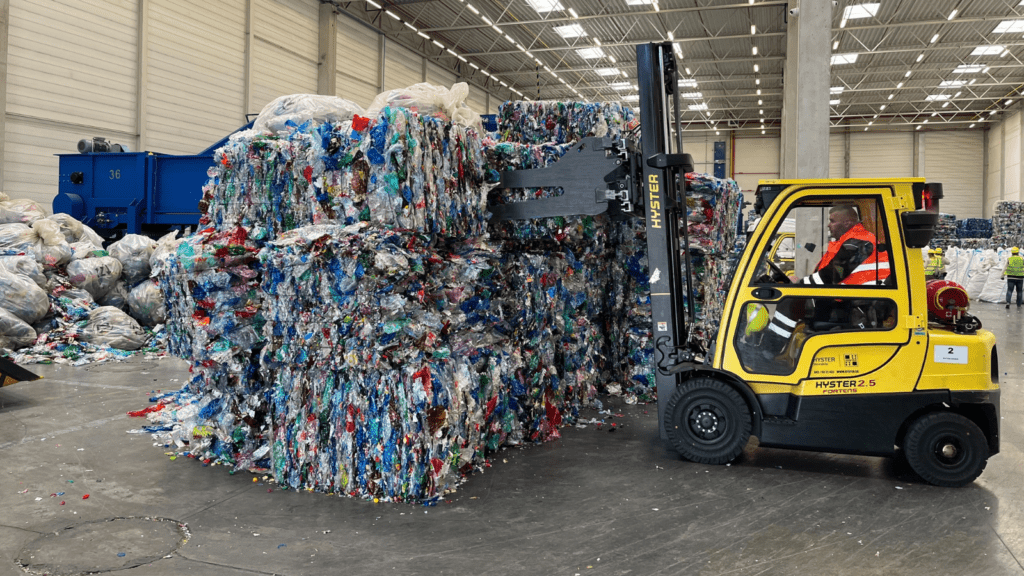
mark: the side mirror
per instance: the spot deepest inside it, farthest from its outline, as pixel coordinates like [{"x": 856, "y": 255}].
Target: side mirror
[{"x": 919, "y": 227}]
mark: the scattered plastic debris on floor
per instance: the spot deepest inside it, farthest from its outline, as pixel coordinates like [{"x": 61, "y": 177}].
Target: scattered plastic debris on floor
[
  {"x": 64, "y": 299},
  {"x": 355, "y": 324}
]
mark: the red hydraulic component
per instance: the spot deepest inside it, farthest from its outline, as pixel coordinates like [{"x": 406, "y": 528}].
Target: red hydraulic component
[{"x": 947, "y": 301}]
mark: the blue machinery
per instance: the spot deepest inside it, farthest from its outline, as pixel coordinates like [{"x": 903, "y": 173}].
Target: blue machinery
[{"x": 118, "y": 192}]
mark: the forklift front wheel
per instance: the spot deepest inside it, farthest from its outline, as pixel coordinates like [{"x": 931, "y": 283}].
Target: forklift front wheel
[
  {"x": 946, "y": 449},
  {"x": 707, "y": 421}
]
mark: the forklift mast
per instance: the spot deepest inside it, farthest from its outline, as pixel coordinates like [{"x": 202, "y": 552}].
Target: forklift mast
[{"x": 641, "y": 178}]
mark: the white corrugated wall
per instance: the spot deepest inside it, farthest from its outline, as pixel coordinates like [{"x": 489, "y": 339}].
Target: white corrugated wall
[
  {"x": 70, "y": 75},
  {"x": 881, "y": 155},
  {"x": 756, "y": 158},
  {"x": 1011, "y": 158},
  {"x": 440, "y": 76},
  {"x": 284, "y": 50},
  {"x": 477, "y": 100},
  {"x": 402, "y": 67},
  {"x": 956, "y": 159},
  {"x": 993, "y": 192},
  {"x": 702, "y": 148},
  {"x": 837, "y": 155},
  {"x": 358, "y": 67},
  {"x": 196, "y": 57}
]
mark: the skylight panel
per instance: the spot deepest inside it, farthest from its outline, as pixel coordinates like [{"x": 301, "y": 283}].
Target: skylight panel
[
  {"x": 861, "y": 11},
  {"x": 545, "y": 6},
  {"x": 839, "y": 59},
  {"x": 833, "y": 102},
  {"x": 687, "y": 83},
  {"x": 571, "y": 31},
  {"x": 836, "y": 89},
  {"x": 698, "y": 107},
  {"x": 952, "y": 83},
  {"x": 607, "y": 71},
  {"x": 638, "y": 2},
  {"x": 990, "y": 50},
  {"x": 693, "y": 95},
  {"x": 1008, "y": 26},
  {"x": 967, "y": 69},
  {"x": 937, "y": 97},
  {"x": 590, "y": 53},
  {"x": 622, "y": 86}
]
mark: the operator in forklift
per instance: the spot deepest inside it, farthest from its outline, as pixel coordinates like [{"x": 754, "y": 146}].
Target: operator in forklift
[{"x": 854, "y": 257}]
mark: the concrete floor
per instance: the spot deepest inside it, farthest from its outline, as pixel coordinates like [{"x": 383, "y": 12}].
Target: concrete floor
[{"x": 595, "y": 502}]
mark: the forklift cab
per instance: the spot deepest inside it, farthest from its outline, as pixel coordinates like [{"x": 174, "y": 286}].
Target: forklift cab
[{"x": 862, "y": 371}]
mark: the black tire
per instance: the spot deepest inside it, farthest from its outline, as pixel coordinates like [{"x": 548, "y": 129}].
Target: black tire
[
  {"x": 707, "y": 421},
  {"x": 946, "y": 449}
]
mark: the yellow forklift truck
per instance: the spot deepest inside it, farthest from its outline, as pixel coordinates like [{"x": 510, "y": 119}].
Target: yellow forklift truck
[{"x": 868, "y": 368}]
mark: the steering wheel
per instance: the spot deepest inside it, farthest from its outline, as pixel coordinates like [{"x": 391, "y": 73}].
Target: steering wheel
[{"x": 778, "y": 274}]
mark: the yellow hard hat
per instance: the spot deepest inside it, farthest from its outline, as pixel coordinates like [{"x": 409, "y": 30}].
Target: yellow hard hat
[
  {"x": 757, "y": 318},
  {"x": 938, "y": 250},
  {"x": 1014, "y": 250},
  {"x": 931, "y": 250}
]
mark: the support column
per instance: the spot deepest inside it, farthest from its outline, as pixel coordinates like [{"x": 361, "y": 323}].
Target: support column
[
  {"x": 5, "y": 22},
  {"x": 986, "y": 211},
  {"x": 382, "y": 46},
  {"x": 847, "y": 137},
  {"x": 250, "y": 17},
  {"x": 141, "y": 74},
  {"x": 805, "y": 109},
  {"x": 327, "y": 52},
  {"x": 917, "y": 155}
]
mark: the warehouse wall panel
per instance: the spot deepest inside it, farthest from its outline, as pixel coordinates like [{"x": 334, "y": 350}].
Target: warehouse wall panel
[
  {"x": 956, "y": 159},
  {"x": 477, "y": 100},
  {"x": 702, "y": 148},
  {"x": 837, "y": 155},
  {"x": 358, "y": 67},
  {"x": 756, "y": 158},
  {"x": 440, "y": 76},
  {"x": 71, "y": 70},
  {"x": 1011, "y": 157},
  {"x": 881, "y": 155},
  {"x": 196, "y": 55},
  {"x": 994, "y": 192},
  {"x": 402, "y": 67},
  {"x": 284, "y": 50}
]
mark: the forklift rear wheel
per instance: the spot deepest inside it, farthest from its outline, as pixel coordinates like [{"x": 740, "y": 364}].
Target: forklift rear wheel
[
  {"x": 946, "y": 449},
  {"x": 707, "y": 421}
]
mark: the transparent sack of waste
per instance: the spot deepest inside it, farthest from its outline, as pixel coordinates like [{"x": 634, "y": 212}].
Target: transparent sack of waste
[
  {"x": 14, "y": 332},
  {"x": 108, "y": 326},
  {"x": 300, "y": 108},
  {"x": 146, "y": 302},
  {"x": 25, "y": 265},
  {"x": 21, "y": 296},
  {"x": 430, "y": 100},
  {"x": 74, "y": 230},
  {"x": 134, "y": 252},
  {"x": 51, "y": 249},
  {"x": 21, "y": 210},
  {"x": 96, "y": 275},
  {"x": 86, "y": 249},
  {"x": 166, "y": 247},
  {"x": 116, "y": 297},
  {"x": 18, "y": 238}
]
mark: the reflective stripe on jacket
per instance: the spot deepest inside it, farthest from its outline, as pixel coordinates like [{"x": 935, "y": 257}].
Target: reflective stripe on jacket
[{"x": 934, "y": 266}]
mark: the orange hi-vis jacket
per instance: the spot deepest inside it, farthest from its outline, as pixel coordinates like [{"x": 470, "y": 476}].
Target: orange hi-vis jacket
[{"x": 872, "y": 270}]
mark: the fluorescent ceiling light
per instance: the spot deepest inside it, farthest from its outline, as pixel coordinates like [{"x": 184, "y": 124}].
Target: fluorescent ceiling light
[
  {"x": 632, "y": 98},
  {"x": 967, "y": 69},
  {"x": 882, "y": 107},
  {"x": 570, "y": 31},
  {"x": 687, "y": 83},
  {"x": 835, "y": 45},
  {"x": 701, "y": 106},
  {"x": 937, "y": 97},
  {"x": 952, "y": 83},
  {"x": 836, "y": 89},
  {"x": 988, "y": 50},
  {"x": 833, "y": 102},
  {"x": 1007, "y": 26},
  {"x": 573, "y": 13},
  {"x": 693, "y": 95},
  {"x": 839, "y": 59},
  {"x": 473, "y": 9},
  {"x": 607, "y": 71},
  {"x": 753, "y": 29},
  {"x": 920, "y": 57},
  {"x": 392, "y": 14},
  {"x": 952, "y": 14},
  {"x": 590, "y": 53},
  {"x": 861, "y": 11}
]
